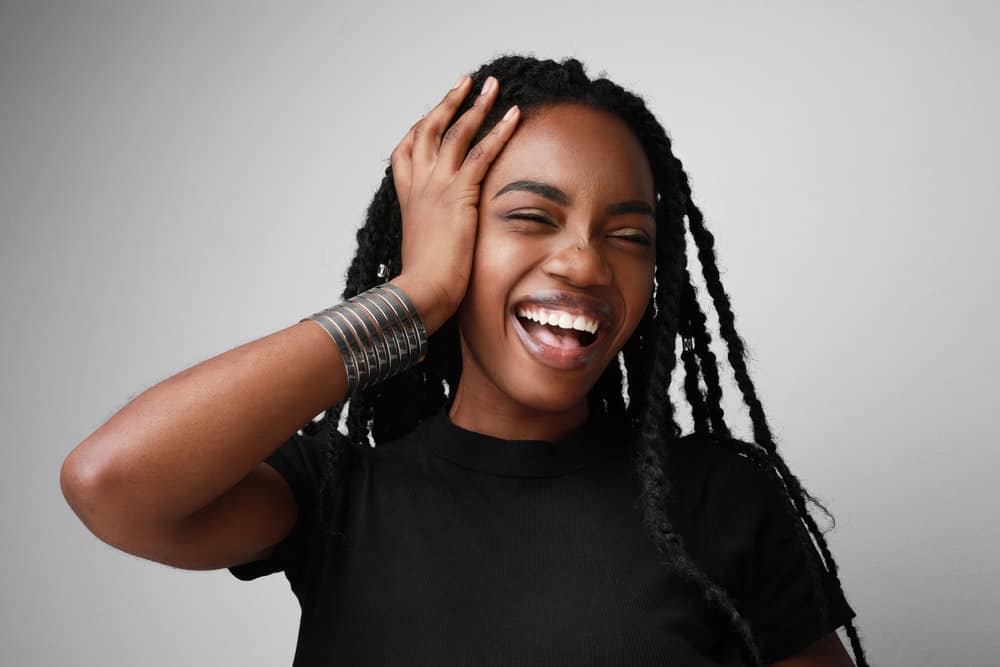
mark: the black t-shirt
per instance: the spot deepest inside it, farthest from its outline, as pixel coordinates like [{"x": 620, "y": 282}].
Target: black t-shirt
[{"x": 451, "y": 547}]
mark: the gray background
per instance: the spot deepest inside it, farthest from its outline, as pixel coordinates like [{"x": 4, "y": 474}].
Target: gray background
[{"x": 179, "y": 179}]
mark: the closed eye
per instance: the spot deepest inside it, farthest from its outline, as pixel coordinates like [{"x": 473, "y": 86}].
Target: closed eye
[
  {"x": 534, "y": 218},
  {"x": 634, "y": 238}
]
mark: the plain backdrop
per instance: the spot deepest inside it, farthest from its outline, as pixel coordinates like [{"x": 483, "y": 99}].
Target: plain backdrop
[{"x": 177, "y": 179}]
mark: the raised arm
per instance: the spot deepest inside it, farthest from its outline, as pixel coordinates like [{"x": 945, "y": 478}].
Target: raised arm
[{"x": 175, "y": 474}]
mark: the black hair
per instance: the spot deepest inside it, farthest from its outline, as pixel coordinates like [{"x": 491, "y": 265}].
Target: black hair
[{"x": 397, "y": 405}]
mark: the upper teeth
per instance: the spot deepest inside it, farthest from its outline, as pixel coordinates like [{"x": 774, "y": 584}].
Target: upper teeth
[{"x": 558, "y": 318}]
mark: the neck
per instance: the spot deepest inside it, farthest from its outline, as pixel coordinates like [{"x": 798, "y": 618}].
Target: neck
[{"x": 491, "y": 415}]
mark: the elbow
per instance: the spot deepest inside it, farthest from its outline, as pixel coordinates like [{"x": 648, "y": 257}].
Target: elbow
[
  {"x": 101, "y": 498},
  {"x": 86, "y": 485},
  {"x": 81, "y": 481}
]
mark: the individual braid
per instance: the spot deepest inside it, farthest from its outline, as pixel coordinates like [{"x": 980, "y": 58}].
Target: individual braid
[
  {"x": 637, "y": 352},
  {"x": 692, "y": 386},
  {"x": 707, "y": 362},
  {"x": 649, "y": 355},
  {"x": 692, "y": 365}
]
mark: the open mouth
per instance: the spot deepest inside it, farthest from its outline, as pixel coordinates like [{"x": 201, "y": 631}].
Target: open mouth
[{"x": 563, "y": 330}]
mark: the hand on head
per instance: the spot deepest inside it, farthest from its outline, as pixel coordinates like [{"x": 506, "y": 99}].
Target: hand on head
[{"x": 437, "y": 179}]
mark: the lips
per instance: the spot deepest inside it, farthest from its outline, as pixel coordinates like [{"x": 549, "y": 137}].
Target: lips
[{"x": 578, "y": 316}]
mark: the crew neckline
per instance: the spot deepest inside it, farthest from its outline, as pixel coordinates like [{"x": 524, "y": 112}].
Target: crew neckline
[{"x": 596, "y": 441}]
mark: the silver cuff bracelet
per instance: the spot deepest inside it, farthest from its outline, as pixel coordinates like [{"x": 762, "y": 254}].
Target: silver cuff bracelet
[{"x": 378, "y": 332}]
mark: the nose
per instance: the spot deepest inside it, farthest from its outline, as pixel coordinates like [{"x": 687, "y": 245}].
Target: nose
[{"x": 579, "y": 264}]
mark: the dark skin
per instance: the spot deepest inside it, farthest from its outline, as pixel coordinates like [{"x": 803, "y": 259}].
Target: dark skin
[
  {"x": 451, "y": 205},
  {"x": 570, "y": 244}
]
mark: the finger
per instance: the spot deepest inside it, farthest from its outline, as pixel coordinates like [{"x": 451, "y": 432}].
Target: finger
[
  {"x": 455, "y": 142},
  {"x": 402, "y": 165},
  {"x": 427, "y": 134},
  {"x": 481, "y": 156}
]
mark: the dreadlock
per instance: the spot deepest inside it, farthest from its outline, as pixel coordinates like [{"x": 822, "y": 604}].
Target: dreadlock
[{"x": 397, "y": 405}]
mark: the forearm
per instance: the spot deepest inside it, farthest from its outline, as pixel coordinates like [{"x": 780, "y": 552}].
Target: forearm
[{"x": 185, "y": 441}]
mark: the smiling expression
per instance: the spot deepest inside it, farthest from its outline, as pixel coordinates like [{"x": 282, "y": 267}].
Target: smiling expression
[{"x": 564, "y": 261}]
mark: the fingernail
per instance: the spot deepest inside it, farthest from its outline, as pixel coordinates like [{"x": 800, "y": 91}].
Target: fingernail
[
  {"x": 510, "y": 113},
  {"x": 488, "y": 86},
  {"x": 460, "y": 81}
]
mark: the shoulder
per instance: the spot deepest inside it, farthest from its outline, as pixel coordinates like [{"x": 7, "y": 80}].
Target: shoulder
[
  {"x": 722, "y": 499},
  {"x": 725, "y": 463}
]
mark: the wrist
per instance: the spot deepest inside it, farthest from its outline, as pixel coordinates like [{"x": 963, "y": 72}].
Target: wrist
[
  {"x": 379, "y": 333},
  {"x": 429, "y": 302}
]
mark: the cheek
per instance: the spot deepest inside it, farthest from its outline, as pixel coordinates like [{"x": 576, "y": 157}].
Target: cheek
[
  {"x": 496, "y": 264},
  {"x": 636, "y": 283},
  {"x": 494, "y": 272}
]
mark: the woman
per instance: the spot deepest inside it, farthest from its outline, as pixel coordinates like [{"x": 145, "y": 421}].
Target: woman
[{"x": 507, "y": 342}]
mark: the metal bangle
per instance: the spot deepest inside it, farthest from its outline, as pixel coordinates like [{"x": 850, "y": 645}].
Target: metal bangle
[
  {"x": 379, "y": 333},
  {"x": 414, "y": 320},
  {"x": 388, "y": 331},
  {"x": 366, "y": 367},
  {"x": 342, "y": 340},
  {"x": 402, "y": 333},
  {"x": 374, "y": 347}
]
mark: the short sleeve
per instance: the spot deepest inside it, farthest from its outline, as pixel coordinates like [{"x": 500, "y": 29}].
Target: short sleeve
[
  {"x": 781, "y": 601},
  {"x": 300, "y": 460}
]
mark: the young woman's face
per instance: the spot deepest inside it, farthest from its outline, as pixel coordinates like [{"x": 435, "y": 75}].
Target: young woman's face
[{"x": 566, "y": 231}]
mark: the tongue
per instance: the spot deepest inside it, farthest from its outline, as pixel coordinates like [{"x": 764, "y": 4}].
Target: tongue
[{"x": 551, "y": 335}]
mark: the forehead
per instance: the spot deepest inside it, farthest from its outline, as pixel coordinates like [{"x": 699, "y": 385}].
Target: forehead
[{"x": 578, "y": 149}]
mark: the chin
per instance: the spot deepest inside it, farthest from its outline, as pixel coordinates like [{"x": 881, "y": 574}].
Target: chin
[{"x": 550, "y": 396}]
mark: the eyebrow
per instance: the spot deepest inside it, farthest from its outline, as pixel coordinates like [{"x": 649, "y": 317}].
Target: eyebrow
[{"x": 558, "y": 196}]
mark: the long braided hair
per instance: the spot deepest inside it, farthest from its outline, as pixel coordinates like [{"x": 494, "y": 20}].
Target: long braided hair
[{"x": 398, "y": 404}]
